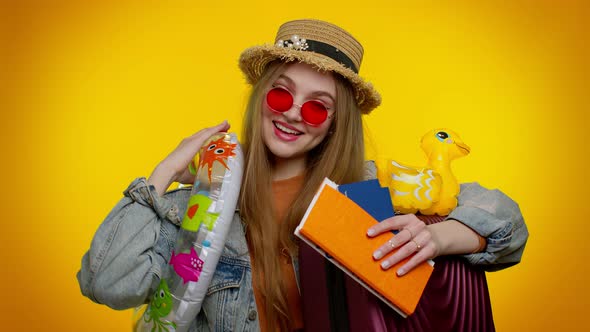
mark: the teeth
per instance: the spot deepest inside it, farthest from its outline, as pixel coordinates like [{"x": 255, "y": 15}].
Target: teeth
[{"x": 287, "y": 130}]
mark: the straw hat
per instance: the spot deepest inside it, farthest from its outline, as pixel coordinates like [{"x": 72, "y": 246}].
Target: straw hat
[{"x": 321, "y": 44}]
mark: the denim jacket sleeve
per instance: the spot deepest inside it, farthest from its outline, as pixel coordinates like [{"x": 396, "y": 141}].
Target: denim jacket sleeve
[
  {"x": 126, "y": 258},
  {"x": 491, "y": 214},
  {"x": 496, "y": 217}
]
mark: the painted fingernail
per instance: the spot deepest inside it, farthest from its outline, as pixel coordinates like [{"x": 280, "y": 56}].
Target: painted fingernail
[
  {"x": 401, "y": 271},
  {"x": 377, "y": 254},
  {"x": 371, "y": 232},
  {"x": 385, "y": 265}
]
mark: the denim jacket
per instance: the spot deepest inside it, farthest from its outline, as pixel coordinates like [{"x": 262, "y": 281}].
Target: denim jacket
[{"x": 130, "y": 250}]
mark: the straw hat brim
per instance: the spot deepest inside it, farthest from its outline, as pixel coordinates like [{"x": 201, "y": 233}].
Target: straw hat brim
[{"x": 254, "y": 60}]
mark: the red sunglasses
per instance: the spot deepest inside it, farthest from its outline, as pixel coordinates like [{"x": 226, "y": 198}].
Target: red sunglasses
[{"x": 313, "y": 112}]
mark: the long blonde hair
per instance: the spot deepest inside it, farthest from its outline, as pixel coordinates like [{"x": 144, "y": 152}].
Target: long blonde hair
[{"x": 340, "y": 157}]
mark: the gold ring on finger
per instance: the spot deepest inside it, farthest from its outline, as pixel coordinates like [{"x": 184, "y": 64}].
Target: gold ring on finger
[{"x": 418, "y": 247}]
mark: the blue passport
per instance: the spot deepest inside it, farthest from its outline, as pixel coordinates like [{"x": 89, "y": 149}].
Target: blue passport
[{"x": 370, "y": 196}]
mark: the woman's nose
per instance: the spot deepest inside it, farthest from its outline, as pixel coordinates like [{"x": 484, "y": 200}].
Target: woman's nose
[{"x": 294, "y": 113}]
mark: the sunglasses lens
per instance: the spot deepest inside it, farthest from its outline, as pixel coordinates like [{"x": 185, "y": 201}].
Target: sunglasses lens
[
  {"x": 279, "y": 100},
  {"x": 314, "y": 112}
]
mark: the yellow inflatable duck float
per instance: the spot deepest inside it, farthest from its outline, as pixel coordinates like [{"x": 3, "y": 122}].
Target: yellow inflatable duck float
[{"x": 432, "y": 189}]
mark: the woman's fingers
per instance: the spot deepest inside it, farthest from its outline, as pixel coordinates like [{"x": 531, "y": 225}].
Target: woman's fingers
[
  {"x": 421, "y": 247},
  {"x": 207, "y": 132},
  {"x": 194, "y": 142},
  {"x": 422, "y": 255},
  {"x": 413, "y": 239},
  {"x": 185, "y": 152},
  {"x": 175, "y": 166},
  {"x": 389, "y": 224},
  {"x": 395, "y": 242},
  {"x": 409, "y": 226}
]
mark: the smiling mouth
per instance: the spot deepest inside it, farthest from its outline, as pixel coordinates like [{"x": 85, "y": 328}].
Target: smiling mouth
[{"x": 286, "y": 130}]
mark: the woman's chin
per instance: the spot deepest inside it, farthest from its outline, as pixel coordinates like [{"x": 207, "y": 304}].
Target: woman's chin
[{"x": 285, "y": 152}]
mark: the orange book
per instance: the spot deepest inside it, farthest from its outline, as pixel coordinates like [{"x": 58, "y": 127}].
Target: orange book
[{"x": 337, "y": 228}]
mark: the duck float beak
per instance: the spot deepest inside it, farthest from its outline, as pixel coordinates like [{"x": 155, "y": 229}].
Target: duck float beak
[{"x": 463, "y": 148}]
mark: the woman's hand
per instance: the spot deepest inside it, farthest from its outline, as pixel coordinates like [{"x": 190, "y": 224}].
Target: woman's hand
[
  {"x": 174, "y": 168},
  {"x": 423, "y": 242},
  {"x": 414, "y": 238}
]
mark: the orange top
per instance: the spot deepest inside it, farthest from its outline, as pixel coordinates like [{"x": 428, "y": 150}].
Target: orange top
[
  {"x": 482, "y": 244},
  {"x": 284, "y": 193}
]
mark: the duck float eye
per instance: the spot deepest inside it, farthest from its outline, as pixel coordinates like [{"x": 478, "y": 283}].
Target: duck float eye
[{"x": 441, "y": 135}]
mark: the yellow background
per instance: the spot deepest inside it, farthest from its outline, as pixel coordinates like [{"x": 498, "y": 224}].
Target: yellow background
[{"x": 94, "y": 94}]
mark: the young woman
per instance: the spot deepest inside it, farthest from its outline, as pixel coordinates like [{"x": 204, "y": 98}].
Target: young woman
[{"x": 303, "y": 123}]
